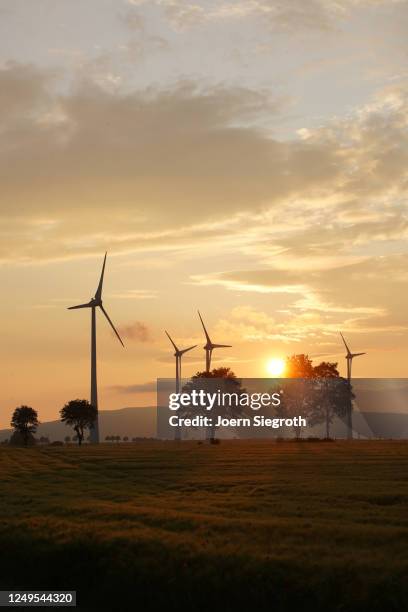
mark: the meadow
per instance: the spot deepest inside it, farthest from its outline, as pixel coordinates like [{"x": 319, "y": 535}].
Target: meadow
[{"x": 242, "y": 525}]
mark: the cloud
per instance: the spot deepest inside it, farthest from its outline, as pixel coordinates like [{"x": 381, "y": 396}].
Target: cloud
[
  {"x": 137, "y": 332},
  {"x": 289, "y": 15},
  {"x": 187, "y": 170},
  {"x": 367, "y": 297}
]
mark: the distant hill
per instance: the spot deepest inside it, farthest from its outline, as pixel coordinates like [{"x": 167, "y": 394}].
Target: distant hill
[
  {"x": 131, "y": 422},
  {"x": 141, "y": 422}
]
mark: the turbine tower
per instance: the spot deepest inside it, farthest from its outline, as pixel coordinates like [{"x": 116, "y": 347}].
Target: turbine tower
[
  {"x": 178, "y": 355},
  {"x": 349, "y": 357},
  {"x": 96, "y": 302},
  {"x": 209, "y": 346}
]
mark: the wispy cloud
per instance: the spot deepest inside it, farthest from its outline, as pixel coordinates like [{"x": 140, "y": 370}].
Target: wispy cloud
[{"x": 136, "y": 332}]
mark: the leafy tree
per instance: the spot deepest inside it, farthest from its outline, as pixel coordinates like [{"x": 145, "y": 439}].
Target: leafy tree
[
  {"x": 227, "y": 383},
  {"x": 299, "y": 366},
  {"x": 80, "y": 415},
  {"x": 297, "y": 397},
  {"x": 333, "y": 398},
  {"x": 326, "y": 369},
  {"x": 25, "y": 422},
  {"x": 320, "y": 394},
  {"x": 108, "y": 438},
  {"x": 125, "y": 439}
]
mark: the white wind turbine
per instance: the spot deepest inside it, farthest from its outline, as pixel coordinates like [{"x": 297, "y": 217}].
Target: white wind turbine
[
  {"x": 178, "y": 355},
  {"x": 96, "y": 302},
  {"x": 209, "y": 346},
  {"x": 349, "y": 357}
]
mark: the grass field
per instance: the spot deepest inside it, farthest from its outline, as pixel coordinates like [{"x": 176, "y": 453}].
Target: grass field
[{"x": 242, "y": 525}]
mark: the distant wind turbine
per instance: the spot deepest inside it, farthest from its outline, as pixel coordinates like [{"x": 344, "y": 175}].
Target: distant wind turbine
[
  {"x": 178, "y": 355},
  {"x": 96, "y": 302},
  {"x": 209, "y": 346},
  {"x": 349, "y": 357}
]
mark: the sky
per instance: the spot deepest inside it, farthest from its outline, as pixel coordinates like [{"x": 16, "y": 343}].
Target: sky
[{"x": 247, "y": 158}]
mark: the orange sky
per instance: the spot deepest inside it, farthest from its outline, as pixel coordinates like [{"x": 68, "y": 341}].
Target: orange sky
[{"x": 261, "y": 178}]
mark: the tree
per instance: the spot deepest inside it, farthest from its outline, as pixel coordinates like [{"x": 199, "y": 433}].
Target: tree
[
  {"x": 25, "y": 422},
  {"x": 117, "y": 438},
  {"x": 108, "y": 438},
  {"x": 319, "y": 394},
  {"x": 297, "y": 397},
  {"x": 227, "y": 383},
  {"x": 333, "y": 398},
  {"x": 67, "y": 439},
  {"x": 329, "y": 399},
  {"x": 80, "y": 415},
  {"x": 299, "y": 366},
  {"x": 125, "y": 439},
  {"x": 326, "y": 369}
]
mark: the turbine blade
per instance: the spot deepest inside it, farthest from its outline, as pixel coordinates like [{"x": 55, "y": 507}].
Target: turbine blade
[
  {"x": 88, "y": 305},
  {"x": 111, "y": 324},
  {"x": 213, "y": 346},
  {"x": 169, "y": 337},
  {"x": 358, "y": 354},
  {"x": 345, "y": 344},
  {"x": 205, "y": 331},
  {"x": 187, "y": 349},
  {"x": 98, "y": 294}
]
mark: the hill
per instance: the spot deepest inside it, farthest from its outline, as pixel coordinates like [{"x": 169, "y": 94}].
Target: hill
[{"x": 141, "y": 422}]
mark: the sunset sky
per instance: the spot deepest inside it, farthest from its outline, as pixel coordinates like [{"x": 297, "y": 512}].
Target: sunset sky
[{"x": 247, "y": 158}]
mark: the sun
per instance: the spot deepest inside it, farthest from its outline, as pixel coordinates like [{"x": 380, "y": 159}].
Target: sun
[{"x": 276, "y": 366}]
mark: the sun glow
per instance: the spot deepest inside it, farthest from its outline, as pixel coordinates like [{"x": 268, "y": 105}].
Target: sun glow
[{"x": 276, "y": 367}]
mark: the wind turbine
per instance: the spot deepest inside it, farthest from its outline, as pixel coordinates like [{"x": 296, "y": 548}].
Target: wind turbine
[
  {"x": 178, "y": 355},
  {"x": 349, "y": 356},
  {"x": 209, "y": 347},
  {"x": 96, "y": 302}
]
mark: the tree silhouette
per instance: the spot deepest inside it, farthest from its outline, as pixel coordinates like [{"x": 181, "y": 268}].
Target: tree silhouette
[
  {"x": 297, "y": 398},
  {"x": 67, "y": 439},
  {"x": 80, "y": 415},
  {"x": 326, "y": 369},
  {"x": 25, "y": 422},
  {"x": 333, "y": 398},
  {"x": 125, "y": 439},
  {"x": 319, "y": 393},
  {"x": 299, "y": 366},
  {"x": 227, "y": 383}
]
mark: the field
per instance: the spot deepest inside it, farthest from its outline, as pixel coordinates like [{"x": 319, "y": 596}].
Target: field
[{"x": 240, "y": 525}]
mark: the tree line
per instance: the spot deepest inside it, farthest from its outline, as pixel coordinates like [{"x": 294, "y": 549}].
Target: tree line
[
  {"x": 78, "y": 414},
  {"x": 318, "y": 393}
]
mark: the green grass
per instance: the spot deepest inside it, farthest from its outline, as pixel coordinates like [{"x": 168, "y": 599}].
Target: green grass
[{"x": 243, "y": 525}]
